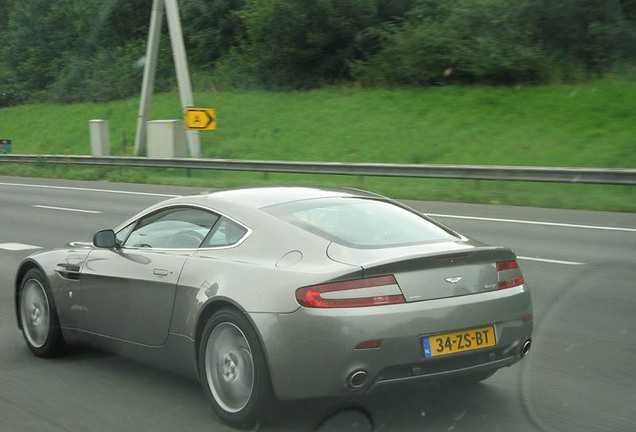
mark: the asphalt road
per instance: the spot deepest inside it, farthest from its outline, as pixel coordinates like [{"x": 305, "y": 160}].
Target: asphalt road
[{"x": 579, "y": 376}]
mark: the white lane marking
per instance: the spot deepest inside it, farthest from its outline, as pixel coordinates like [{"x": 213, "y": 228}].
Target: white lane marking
[
  {"x": 520, "y": 221},
  {"x": 551, "y": 261},
  {"x": 66, "y": 209},
  {"x": 17, "y": 246},
  {"x": 89, "y": 189},
  {"x": 429, "y": 214}
]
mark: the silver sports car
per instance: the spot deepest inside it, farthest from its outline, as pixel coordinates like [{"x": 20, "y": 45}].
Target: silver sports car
[{"x": 291, "y": 291}]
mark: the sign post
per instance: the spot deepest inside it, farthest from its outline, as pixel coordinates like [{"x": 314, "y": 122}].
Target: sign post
[
  {"x": 148, "y": 82},
  {"x": 183, "y": 74},
  {"x": 181, "y": 67}
]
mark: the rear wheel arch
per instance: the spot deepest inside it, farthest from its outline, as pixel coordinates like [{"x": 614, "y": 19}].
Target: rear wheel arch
[
  {"x": 219, "y": 386},
  {"x": 210, "y": 309}
]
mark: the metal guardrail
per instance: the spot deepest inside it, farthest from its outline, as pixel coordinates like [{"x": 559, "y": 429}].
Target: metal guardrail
[{"x": 466, "y": 172}]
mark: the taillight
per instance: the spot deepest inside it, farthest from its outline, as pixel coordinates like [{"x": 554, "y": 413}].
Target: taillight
[
  {"x": 507, "y": 265},
  {"x": 369, "y": 345},
  {"x": 375, "y": 291},
  {"x": 509, "y": 274}
]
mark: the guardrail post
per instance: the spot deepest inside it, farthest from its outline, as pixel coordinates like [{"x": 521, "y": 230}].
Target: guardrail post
[{"x": 100, "y": 137}]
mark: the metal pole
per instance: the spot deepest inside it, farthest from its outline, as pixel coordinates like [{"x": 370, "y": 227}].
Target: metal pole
[
  {"x": 183, "y": 74},
  {"x": 150, "y": 65}
]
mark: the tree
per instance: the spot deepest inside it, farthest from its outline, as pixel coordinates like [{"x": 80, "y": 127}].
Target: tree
[
  {"x": 38, "y": 32},
  {"x": 488, "y": 41},
  {"x": 211, "y": 28},
  {"x": 300, "y": 43},
  {"x": 595, "y": 33}
]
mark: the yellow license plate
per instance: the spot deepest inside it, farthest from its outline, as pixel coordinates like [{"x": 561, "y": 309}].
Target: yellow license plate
[{"x": 449, "y": 343}]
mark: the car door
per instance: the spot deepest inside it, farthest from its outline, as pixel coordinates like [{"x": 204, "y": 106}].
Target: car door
[{"x": 128, "y": 292}]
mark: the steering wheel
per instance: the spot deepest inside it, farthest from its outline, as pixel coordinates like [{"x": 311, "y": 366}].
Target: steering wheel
[{"x": 186, "y": 239}]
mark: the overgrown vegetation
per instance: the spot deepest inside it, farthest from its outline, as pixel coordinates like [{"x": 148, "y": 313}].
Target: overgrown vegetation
[
  {"x": 92, "y": 50},
  {"x": 568, "y": 125},
  {"x": 382, "y": 81}
]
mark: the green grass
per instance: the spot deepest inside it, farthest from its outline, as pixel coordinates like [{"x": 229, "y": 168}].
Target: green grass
[{"x": 586, "y": 125}]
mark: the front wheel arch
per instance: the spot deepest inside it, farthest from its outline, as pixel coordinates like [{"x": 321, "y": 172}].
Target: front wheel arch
[
  {"x": 22, "y": 271},
  {"x": 53, "y": 344}
]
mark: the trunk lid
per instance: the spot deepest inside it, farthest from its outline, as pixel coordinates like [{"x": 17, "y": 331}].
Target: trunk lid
[{"x": 432, "y": 271}]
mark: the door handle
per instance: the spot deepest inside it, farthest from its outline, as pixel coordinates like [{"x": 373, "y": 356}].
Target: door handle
[{"x": 160, "y": 272}]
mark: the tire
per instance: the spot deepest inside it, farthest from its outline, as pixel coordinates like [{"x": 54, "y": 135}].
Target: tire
[
  {"x": 233, "y": 370},
  {"x": 38, "y": 316}
]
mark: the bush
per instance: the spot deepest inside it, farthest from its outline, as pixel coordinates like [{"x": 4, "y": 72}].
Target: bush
[
  {"x": 500, "y": 41},
  {"x": 593, "y": 33},
  {"x": 112, "y": 73},
  {"x": 78, "y": 50},
  {"x": 299, "y": 43},
  {"x": 211, "y": 28},
  {"x": 489, "y": 41}
]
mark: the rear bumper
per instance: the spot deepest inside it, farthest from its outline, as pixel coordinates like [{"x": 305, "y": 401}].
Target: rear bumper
[
  {"x": 482, "y": 361},
  {"x": 311, "y": 352}
]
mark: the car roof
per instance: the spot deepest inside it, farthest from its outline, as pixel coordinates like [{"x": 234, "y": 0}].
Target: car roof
[
  {"x": 244, "y": 204},
  {"x": 260, "y": 197}
]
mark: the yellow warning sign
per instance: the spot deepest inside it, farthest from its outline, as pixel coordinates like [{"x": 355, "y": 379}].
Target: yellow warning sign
[{"x": 200, "y": 118}]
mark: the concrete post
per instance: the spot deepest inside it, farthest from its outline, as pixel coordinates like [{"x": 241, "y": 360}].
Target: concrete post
[
  {"x": 100, "y": 138},
  {"x": 150, "y": 65},
  {"x": 183, "y": 73},
  {"x": 166, "y": 139}
]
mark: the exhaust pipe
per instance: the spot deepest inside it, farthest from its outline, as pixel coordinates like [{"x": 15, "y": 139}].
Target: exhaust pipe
[
  {"x": 526, "y": 348},
  {"x": 357, "y": 379}
]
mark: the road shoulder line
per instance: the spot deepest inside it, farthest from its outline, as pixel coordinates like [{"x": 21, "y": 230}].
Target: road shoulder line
[
  {"x": 17, "y": 246},
  {"x": 551, "y": 261},
  {"x": 65, "y": 209},
  {"x": 89, "y": 189},
  {"x": 528, "y": 222}
]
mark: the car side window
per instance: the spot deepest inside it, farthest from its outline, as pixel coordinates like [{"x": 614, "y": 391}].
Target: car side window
[
  {"x": 173, "y": 228},
  {"x": 225, "y": 233},
  {"x": 123, "y": 233}
]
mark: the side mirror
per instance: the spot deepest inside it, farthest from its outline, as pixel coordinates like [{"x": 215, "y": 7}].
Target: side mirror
[{"x": 105, "y": 239}]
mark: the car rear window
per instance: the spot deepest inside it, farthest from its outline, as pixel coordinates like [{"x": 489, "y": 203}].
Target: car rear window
[{"x": 359, "y": 222}]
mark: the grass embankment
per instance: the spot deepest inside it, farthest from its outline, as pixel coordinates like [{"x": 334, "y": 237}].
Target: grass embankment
[{"x": 587, "y": 125}]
